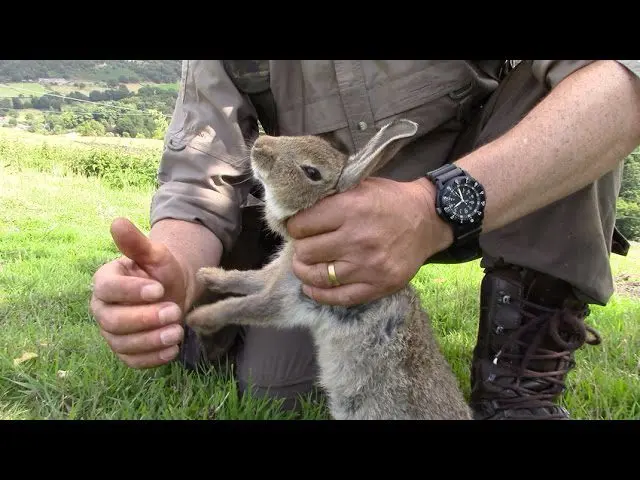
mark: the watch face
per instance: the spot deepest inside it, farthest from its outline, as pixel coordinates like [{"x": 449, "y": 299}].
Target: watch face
[{"x": 462, "y": 200}]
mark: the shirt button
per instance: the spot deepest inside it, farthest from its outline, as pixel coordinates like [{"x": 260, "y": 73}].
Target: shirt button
[{"x": 362, "y": 125}]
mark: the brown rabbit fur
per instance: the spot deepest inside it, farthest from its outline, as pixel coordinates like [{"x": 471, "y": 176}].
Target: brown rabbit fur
[{"x": 377, "y": 361}]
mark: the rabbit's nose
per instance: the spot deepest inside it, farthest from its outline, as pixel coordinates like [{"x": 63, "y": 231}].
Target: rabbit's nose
[
  {"x": 263, "y": 153},
  {"x": 264, "y": 140},
  {"x": 257, "y": 148}
]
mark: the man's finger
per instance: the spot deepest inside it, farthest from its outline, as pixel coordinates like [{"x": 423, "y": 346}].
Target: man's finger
[
  {"x": 321, "y": 248},
  {"x": 346, "y": 295},
  {"x": 151, "y": 359},
  {"x": 326, "y": 216},
  {"x": 145, "y": 342},
  {"x": 135, "y": 244},
  {"x": 117, "y": 288},
  {"x": 126, "y": 319},
  {"x": 317, "y": 275}
]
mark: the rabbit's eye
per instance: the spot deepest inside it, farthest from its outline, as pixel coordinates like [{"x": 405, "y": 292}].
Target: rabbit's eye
[{"x": 312, "y": 173}]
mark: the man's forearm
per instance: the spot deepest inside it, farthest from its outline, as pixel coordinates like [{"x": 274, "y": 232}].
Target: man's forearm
[
  {"x": 193, "y": 245},
  {"x": 579, "y": 132}
]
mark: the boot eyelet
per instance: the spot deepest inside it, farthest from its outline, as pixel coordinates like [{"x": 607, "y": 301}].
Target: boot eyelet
[{"x": 504, "y": 299}]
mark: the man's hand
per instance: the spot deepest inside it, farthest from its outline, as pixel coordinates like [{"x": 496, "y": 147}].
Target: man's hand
[
  {"x": 378, "y": 235},
  {"x": 139, "y": 299}
]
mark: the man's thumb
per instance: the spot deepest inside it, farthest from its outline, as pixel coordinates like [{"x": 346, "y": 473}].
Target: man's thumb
[{"x": 133, "y": 243}]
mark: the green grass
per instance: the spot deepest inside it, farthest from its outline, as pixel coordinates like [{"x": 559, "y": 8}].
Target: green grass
[
  {"x": 606, "y": 381},
  {"x": 21, "y": 139},
  {"x": 18, "y": 139},
  {"x": 117, "y": 164},
  {"x": 25, "y": 88},
  {"x": 54, "y": 234}
]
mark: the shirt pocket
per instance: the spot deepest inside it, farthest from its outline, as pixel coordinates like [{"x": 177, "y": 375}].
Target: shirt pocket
[
  {"x": 307, "y": 97},
  {"x": 431, "y": 93}
]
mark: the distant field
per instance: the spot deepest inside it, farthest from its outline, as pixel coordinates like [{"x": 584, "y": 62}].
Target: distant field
[
  {"x": 34, "y": 138},
  {"x": 15, "y": 89},
  {"x": 163, "y": 86},
  {"x": 67, "y": 89},
  {"x": 30, "y": 88},
  {"x": 132, "y": 87}
]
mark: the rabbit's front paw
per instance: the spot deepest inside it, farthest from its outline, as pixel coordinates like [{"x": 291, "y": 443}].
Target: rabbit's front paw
[
  {"x": 213, "y": 278},
  {"x": 219, "y": 280}
]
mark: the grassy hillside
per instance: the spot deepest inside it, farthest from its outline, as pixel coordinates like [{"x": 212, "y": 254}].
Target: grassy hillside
[
  {"x": 121, "y": 71},
  {"x": 89, "y": 97},
  {"x": 28, "y": 89},
  {"x": 54, "y": 234},
  {"x": 14, "y": 89},
  {"x": 16, "y": 138}
]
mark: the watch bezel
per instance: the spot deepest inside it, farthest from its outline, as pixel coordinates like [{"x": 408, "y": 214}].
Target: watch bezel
[{"x": 475, "y": 218}]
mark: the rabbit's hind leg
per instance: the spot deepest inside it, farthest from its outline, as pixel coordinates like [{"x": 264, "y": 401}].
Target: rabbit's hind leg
[{"x": 254, "y": 309}]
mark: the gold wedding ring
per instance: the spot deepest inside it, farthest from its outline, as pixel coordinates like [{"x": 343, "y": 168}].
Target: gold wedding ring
[{"x": 333, "y": 280}]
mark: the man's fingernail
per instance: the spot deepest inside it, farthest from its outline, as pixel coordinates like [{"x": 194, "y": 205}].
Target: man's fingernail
[
  {"x": 168, "y": 354},
  {"x": 151, "y": 292},
  {"x": 172, "y": 336},
  {"x": 169, "y": 314}
]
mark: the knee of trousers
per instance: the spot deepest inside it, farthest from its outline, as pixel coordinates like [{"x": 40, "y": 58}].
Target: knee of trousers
[
  {"x": 276, "y": 363},
  {"x": 570, "y": 239}
]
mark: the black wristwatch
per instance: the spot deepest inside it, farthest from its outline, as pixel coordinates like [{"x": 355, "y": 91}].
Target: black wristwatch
[{"x": 460, "y": 201}]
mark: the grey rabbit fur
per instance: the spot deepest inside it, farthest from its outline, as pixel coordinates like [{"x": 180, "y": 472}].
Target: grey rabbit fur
[{"x": 377, "y": 361}]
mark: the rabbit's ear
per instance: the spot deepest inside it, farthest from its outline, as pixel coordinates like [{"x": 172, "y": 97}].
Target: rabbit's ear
[{"x": 375, "y": 154}]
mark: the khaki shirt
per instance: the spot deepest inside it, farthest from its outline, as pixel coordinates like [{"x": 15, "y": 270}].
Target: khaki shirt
[{"x": 201, "y": 177}]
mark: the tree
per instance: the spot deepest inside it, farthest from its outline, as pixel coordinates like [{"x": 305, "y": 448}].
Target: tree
[
  {"x": 628, "y": 204},
  {"x": 160, "y": 124},
  {"x": 630, "y": 188},
  {"x": 91, "y": 128}
]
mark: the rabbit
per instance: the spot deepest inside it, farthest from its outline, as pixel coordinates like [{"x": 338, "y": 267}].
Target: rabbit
[{"x": 377, "y": 361}]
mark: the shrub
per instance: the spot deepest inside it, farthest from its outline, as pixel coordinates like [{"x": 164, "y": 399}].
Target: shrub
[
  {"x": 119, "y": 167},
  {"x": 628, "y": 205},
  {"x": 630, "y": 188},
  {"x": 628, "y": 219}
]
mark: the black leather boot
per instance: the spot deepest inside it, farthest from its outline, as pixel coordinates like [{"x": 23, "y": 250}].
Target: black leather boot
[{"x": 530, "y": 327}]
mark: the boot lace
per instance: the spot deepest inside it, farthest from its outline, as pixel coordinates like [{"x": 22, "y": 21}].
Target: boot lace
[{"x": 549, "y": 325}]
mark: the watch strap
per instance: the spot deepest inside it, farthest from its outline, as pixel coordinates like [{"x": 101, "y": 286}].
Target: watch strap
[
  {"x": 445, "y": 173},
  {"x": 465, "y": 245}
]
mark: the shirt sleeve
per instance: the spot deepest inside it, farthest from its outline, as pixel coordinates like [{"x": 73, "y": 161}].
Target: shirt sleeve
[
  {"x": 552, "y": 72},
  {"x": 632, "y": 65},
  {"x": 203, "y": 173}
]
